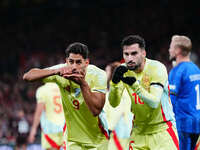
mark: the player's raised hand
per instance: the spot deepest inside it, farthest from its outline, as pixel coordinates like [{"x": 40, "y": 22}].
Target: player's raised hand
[
  {"x": 129, "y": 80},
  {"x": 67, "y": 70},
  {"x": 118, "y": 74},
  {"x": 76, "y": 76},
  {"x": 31, "y": 137}
]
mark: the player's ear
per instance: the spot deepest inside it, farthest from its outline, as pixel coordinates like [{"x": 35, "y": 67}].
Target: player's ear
[
  {"x": 144, "y": 53},
  {"x": 177, "y": 50},
  {"x": 66, "y": 60},
  {"x": 87, "y": 61}
]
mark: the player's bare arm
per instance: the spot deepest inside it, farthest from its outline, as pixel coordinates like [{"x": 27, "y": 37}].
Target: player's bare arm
[
  {"x": 94, "y": 100},
  {"x": 36, "y": 122},
  {"x": 36, "y": 73}
]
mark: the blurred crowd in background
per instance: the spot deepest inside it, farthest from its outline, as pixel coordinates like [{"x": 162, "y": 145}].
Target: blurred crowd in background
[{"x": 36, "y": 33}]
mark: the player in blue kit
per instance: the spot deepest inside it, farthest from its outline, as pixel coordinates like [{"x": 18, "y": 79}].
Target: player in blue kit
[{"x": 184, "y": 80}]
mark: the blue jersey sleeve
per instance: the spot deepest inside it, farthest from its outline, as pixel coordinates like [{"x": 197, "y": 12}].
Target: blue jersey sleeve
[
  {"x": 184, "y": 80},
  {"x": 174, "y": 84}
]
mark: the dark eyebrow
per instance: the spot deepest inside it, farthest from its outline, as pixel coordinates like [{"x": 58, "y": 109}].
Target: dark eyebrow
[
  {"x": 133, "y": 53},
  {"x": 79, "y": 60}
]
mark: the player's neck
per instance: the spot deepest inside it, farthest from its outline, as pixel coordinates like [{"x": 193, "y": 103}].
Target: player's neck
[{"x": 181, "y": 58}]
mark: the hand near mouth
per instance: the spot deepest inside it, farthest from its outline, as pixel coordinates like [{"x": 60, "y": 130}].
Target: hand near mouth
[{"x": 76, "y": 76}]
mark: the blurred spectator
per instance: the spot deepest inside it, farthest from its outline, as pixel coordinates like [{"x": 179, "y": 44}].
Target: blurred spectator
[{"x": 23, "y": 130}]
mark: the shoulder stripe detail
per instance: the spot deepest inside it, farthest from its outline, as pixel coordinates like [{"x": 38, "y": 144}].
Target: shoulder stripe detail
[
  {"x": 100, "y": 90},
  {"x": 157, "y": 84}
]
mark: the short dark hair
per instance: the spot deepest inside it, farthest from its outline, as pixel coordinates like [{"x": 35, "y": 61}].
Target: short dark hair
[
  {"x": 133, "y": 39},
  {"x": 77, "y": 48}
]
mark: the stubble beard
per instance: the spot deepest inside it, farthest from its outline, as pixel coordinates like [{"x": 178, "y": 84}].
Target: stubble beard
[{"x": 133, "y": 68}]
